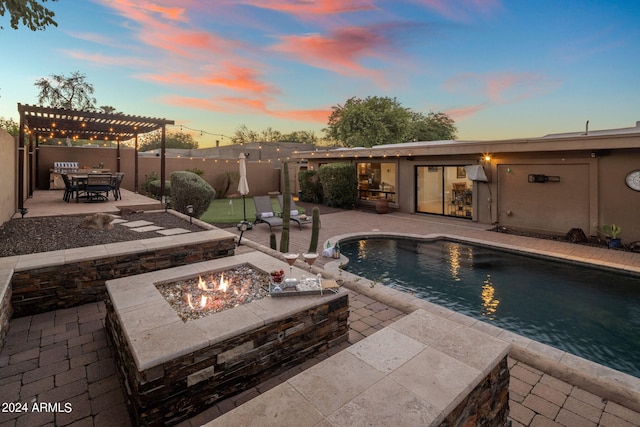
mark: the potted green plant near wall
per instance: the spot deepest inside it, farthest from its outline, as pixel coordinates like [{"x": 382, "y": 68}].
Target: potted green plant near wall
[{"x": 612, "y": 232}]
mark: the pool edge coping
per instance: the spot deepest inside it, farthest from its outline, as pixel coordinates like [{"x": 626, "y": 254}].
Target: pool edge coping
[{"x": 606, "y": 382}]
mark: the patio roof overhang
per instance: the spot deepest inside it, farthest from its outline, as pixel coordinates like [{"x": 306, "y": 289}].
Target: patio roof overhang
[
  {"x": 594, "y": 141},
  {"x": 64, "y": 123}
]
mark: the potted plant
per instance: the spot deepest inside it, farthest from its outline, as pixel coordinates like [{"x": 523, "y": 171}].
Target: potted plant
[{"x": 612, "y": 232}]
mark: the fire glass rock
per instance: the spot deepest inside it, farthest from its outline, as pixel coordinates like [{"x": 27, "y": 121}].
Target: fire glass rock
[{"x": 213, "y": 292}]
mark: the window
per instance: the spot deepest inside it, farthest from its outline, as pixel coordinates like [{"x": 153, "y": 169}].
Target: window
[{"x": 377, "y": 181}]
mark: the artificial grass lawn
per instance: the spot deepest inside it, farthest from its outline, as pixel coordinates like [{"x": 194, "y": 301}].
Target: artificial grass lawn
[{"x": 230, "y": 211}]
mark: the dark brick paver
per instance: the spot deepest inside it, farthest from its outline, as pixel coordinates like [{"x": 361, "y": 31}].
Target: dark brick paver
[{"x": 64, "y": 356}]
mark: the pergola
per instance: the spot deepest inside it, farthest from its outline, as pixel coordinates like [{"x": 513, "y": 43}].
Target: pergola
[{"x": 47, "y": 122}]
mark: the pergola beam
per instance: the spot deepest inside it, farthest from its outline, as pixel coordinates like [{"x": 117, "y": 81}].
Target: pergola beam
[{"x": 64, "y": 123}]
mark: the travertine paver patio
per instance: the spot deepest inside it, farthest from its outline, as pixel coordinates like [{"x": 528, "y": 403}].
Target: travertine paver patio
[{"x": 63, "y": 356}]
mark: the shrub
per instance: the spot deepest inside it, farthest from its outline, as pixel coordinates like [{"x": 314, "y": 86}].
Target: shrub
[
  {"x": 310, "y": 187},
  {"x": 339, "y": 184},
  {"x": 197, "y": 171},
  {"x": 189, "y": 189},
  {"x": 151, "y": 186}
]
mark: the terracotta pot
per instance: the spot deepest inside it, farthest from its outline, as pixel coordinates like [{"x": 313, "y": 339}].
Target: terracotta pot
[{"x": 382, "y": 206}]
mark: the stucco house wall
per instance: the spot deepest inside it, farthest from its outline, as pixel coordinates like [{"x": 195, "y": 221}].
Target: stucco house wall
[
  {"x": 618, "y": 203},
  {"x": 8, "y": 176},
  {"x": 590, "y": 168}
]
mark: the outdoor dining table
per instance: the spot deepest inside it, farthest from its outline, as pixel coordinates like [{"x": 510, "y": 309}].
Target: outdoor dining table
[{"x": 84, "y": 190}]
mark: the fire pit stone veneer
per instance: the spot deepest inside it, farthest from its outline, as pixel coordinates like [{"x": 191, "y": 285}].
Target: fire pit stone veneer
[{"x": 173, "y": 369}]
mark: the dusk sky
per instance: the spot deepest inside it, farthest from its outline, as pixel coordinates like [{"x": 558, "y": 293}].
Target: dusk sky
[{"x": 500, "y": 68}]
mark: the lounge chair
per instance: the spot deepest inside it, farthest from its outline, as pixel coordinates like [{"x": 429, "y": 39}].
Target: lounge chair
[
  {"x": 265, "y": 213},
  {"x": 294, "y": 212}
]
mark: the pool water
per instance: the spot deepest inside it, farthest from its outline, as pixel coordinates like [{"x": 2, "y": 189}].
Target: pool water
[{"x": 592, "y": 313}]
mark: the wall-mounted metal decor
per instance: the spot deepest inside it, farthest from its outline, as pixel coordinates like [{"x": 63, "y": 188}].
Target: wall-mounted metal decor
[{"x": 541, "y": 179}]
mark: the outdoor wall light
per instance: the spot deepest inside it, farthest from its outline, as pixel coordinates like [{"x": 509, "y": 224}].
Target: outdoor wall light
[{"x": 486, "y": 157}]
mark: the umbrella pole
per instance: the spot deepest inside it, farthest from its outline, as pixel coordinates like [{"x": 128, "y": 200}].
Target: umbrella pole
[{"x": 244, "y": 208}]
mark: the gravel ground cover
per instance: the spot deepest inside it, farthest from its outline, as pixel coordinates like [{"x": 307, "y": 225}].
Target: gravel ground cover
[{"x": 44, "y": 234}]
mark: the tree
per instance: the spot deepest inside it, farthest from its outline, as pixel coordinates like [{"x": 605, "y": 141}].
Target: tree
[
  {"x": 245, "y": 135},
  {"x": 302, "y": 136},
  {"x": 383, "y": 120},
  {"x": 432, "y": 127},
  {"x": 153, "y": 141},
  {"x": 108, "y": 109},
  {"x": 10, "y": 126},
  {"x": 72, "y": 93},
  {"x": 32, "y": 14}
]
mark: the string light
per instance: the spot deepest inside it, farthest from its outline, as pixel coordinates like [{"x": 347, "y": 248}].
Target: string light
[{"x": 202, "y": 132}]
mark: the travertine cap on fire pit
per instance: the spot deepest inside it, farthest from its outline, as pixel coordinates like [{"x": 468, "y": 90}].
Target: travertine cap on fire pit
[{"x": 156, "y": 333}]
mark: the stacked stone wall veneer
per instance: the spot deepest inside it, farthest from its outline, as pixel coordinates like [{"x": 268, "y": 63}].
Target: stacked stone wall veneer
[
  {"x": 6, "y": 308},
  {"x": 179, "y": 388},
  {"x": 487, "y": 404},
  {"x": 64, "y": 284}
]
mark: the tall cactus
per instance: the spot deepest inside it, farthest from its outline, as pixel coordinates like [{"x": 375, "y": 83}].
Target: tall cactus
[
  {"x": 315, "y": 230},
  {"x": 272, "y": 241},
  {"x": 286, "y": 210}
]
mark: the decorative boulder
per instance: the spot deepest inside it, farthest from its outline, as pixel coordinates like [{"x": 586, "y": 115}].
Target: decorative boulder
[{"x": 97, "y": 221}]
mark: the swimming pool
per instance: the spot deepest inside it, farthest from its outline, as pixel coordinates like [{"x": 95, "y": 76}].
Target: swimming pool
[{"x": 592, "y": 313}]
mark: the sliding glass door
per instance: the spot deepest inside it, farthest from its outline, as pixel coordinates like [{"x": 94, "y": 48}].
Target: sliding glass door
[
  {"x": 444, "y": 190},
  {"x": 429, "y": 187}
]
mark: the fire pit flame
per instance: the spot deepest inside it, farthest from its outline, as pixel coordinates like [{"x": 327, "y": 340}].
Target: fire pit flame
[
  {"x": 195, "y": 298},
  {"x": 223, "y": 284}
]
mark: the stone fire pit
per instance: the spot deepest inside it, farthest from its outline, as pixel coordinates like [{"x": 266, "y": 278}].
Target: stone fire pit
[{"x": 173, "y": 369}]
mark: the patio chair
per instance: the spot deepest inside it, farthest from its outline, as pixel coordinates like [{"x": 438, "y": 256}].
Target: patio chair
[
  {"x": 69, "y": 188},
  {"x": 294, "y": 212},
  {"x": 264, "y": 212},
  {"x": 116, "y": 179},
  {"x": 98, "y": 187}
]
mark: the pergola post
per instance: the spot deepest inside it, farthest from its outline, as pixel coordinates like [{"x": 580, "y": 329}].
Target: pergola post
[
  {"x": 21, "y": 164},
  {"x": 135, "y": 166},
  {"x": 163, "y": 146}
]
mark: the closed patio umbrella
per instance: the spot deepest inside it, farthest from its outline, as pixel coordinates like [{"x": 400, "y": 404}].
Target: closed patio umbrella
[{"x": 243, "y": 185}]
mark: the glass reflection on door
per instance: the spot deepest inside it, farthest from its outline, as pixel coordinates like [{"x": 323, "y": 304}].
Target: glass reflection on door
[{"x": 430, "y": 198}]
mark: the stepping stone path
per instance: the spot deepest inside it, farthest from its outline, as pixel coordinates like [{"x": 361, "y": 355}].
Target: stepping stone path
[{"x": 143, "y": 226}]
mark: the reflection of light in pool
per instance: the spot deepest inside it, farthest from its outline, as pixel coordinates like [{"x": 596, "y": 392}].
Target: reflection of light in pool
[
  {"x": 587, "y": 312},
  {"x": 488, "y": 301},
  {"x": 454, "y": 261}
]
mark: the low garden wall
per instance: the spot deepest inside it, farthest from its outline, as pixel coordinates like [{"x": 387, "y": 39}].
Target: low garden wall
[{"x": 69, "y": 278}]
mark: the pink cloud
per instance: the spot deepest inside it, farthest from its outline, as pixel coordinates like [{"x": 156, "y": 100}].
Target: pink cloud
[
  {"x": 461, "y": 10},
  {"x": 96, "y": 58},
  {"x": 318, "y": 7},
  {"x": 229, "y": 76},
  {"x": 340, "y": 51},
  {"x": 144, "y": 10},
  {"x": 247, "y": 106},
  {"x": 465, "y": 112},
  {"x": 502, "y": 88}
]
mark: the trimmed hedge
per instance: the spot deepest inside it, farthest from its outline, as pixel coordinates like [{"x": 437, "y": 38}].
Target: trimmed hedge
[
  {"x": 187, "y": 188},
  {"x": 310, "y": 187},
  {"x": 340, "y": 184}
]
